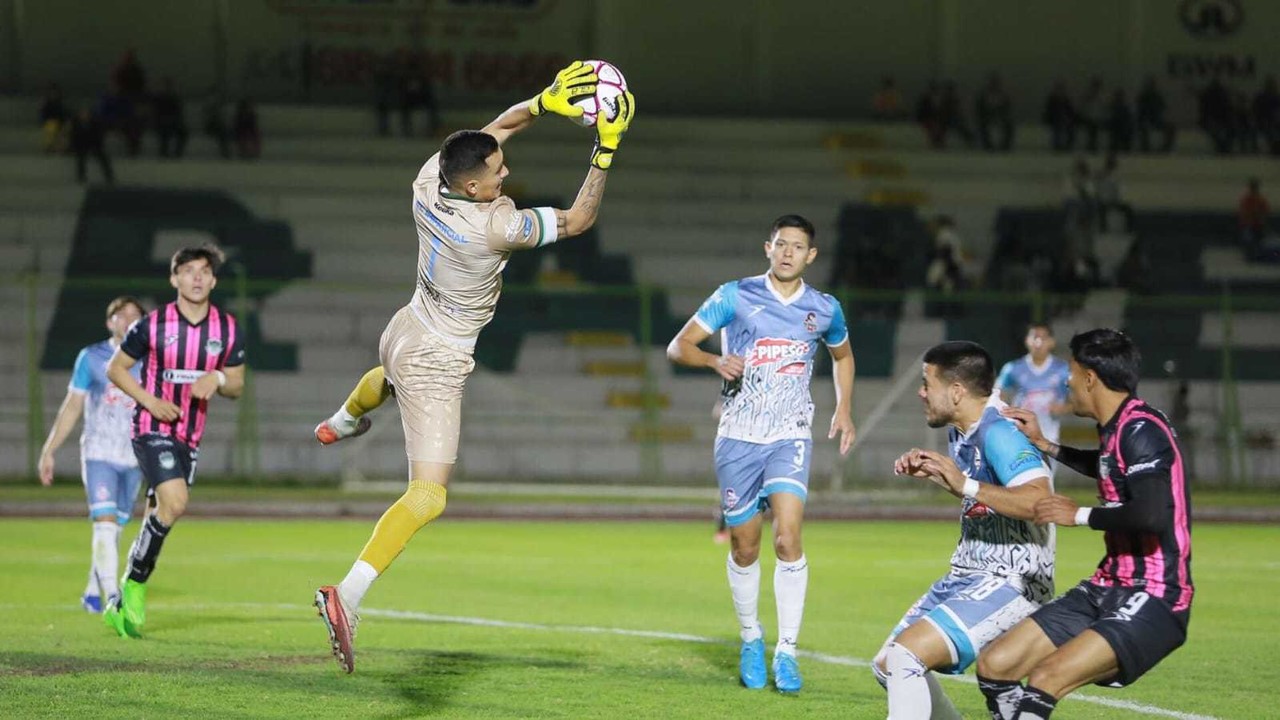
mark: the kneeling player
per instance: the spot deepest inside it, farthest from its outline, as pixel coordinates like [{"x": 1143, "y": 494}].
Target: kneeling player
[
  {"x": 1133, "y": 612},
  {"x": 1002, "y": 568}
]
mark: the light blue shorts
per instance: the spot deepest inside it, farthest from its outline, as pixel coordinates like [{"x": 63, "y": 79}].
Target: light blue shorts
[
  {"x": 970, "y": 609},
  {"x": 111, "y": 489},
  {"x": 748, "y": 473}
]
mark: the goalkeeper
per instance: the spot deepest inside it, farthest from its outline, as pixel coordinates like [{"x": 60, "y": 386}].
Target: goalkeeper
[{"x": 466, "y": 231}]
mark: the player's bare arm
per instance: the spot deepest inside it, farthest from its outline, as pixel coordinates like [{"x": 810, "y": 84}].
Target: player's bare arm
[
  {"x": 68, "y": 416},
  {"x": 843, "y": 372},
  {"x": 228, "y": 382},
  {"x": 572, "y": 82},
  {"x": 1018, "y": 502},
  {"x": 1084, "y": 462},
  {"x": 118, "y": 373},
  {"x": 684, "y": 350}
]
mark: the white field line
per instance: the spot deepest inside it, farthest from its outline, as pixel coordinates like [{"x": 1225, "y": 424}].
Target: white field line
[{"x": 651, "y": 634}]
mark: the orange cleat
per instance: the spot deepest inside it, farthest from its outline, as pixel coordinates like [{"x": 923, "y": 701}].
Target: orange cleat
[
  {"x": 327, "y": 434},
  {"x": 341, "y": 631}
]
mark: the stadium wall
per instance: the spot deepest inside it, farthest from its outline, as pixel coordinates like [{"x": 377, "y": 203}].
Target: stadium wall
[{"x": 717, "y": 56}]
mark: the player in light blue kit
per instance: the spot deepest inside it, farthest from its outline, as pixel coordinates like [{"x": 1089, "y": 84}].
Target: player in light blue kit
[
  {"x": 107, "y": 464},
  {"x": 770, "y": 326},
  {"x": 1002, "y": 568},
  {"x": 1037, "y": 382}
]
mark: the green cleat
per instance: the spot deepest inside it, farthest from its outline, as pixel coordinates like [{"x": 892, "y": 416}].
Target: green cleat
[
  {"x": 133, "y": 606},
  {"x": 113, "y": 618}
]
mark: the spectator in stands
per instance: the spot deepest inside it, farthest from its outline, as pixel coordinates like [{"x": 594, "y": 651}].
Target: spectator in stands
[
  {"x": 1060, "y": 115},
  {"x": 87, "y": 133},
  {"x": 1110, "y": 197},
  {"x": 215, "y": 125},
  {"x": 129, "y": 79},
  {"x": 118, "y": 113},
  {"x": 417, "y": 92},
  {"x": 1253, "y": 215},
  {"x": 53, "y": 120},
  {"x": 995, "y": 112},
  {"x": 1151, "y": 109},
  {"x": 886, "y": 104},
  {"x": 245, "y": 130},
  {"x": 1266, "y": 114},
  {"x": 1242, "y": 125},
  {"x": 1080, "y": 206},
  {"x": 1089, "y": 113},
  {"x": 953, "y": 114},
  {"x": 1215, "y": 116},
  {"x": 943, "y": 276},
  {"x": 1119, "y": 124},
  {"x": 171, "y": 123},
  {"x": 386, "y": 87},
  {"x": 929, "y": 115}
]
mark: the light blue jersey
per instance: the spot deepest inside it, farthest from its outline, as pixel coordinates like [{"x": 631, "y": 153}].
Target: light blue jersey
[
  {"x": 108, "y": 411},
  {"x": 995, "y": 452},
  {"x": 1036, "y": 388},
  {"x": 777, "y": 339}
]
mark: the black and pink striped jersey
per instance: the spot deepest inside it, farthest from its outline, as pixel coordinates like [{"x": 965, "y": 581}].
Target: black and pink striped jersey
[
  {"x": 174, "y": 354},
  {"x": 1141, "y": 468}
]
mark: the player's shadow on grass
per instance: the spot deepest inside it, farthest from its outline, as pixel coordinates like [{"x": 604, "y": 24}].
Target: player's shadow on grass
[
  {"x": 45, "y": 664},
  {"x": 721, "y": 657},
  {"x": 435, "y": 677}
]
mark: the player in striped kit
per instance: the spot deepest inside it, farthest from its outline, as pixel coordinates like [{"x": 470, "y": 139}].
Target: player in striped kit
[
  {"x": 190, "y": 349},
  {"x": 1133, "y": 612},
  {"x": 770, "y": 327},
  {"x": 107, "y": 465}
]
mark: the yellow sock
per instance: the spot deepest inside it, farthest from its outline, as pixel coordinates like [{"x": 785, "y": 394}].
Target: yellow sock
[
  {"x": 369, "y": 393},
  {"x": 421, "y": 503}
]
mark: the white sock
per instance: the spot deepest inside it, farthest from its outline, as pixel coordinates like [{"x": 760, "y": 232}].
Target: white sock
[
  {"x": 343, "y": 421},
  {"x": 910, "y": 696},
  {"x": 106, "y": 558},
  {"x": 790, "y": 581},
  {"x": 744, "y": 583},
  {"x": 91, "y": 588},
  {"x": 356, "y": 584},
  {"x": 942, "y": 709}
]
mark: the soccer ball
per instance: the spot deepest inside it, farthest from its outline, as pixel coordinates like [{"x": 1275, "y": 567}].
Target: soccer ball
[{"x": 609, "y": 86}]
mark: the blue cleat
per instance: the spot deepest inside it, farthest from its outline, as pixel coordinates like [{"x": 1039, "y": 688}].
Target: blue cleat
[
  {"x": 786, "y": 673},
  {"x": 751, "y": 666},
  {"x": 91, "y": 603}
]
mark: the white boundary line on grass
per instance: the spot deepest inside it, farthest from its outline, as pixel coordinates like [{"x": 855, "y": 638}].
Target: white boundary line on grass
[{"x": 661, "y": 635}]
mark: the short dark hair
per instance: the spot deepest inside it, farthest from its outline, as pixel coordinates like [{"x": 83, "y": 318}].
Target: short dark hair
[
  {"x": 463, "y": 153},
  {"x": 965, "y": 362},
  {"x": 118, "y": 304},
  {"x": 794, "y": 221},
  {"x": 209, "y": 252},
  {"x": 1110, "y": 354},
  {"x": 1042, "y": 324}
]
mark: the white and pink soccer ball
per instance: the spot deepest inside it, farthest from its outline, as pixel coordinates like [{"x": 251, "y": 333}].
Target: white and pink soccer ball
[{"x": 609, "y": 86}]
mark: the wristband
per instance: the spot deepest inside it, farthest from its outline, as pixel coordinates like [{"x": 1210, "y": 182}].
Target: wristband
[
  {"x": 1082, "y": 516},
  {"x": 971, "y": 488},
  {"x": 222, "y": 378}
]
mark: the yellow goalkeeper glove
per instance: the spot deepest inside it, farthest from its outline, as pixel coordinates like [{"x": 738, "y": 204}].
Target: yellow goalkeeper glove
[
  {"x": 575, "y": 81},
  {"x": 609, "y": 132}
]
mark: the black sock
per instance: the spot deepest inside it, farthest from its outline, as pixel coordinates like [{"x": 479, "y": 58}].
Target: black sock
[
  {"x": 1036, "y": 704},
  {"x": 146, "y": 548},
  {"x": 1002, "y": 697}
]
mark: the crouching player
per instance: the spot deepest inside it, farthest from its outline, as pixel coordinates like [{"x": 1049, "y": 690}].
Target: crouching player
[{"x": 1002, "y": 569}]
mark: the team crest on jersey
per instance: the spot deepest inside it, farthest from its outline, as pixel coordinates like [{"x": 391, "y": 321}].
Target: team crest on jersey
[
  {"x": 213, "y": 346},
  {"x": 811, "y": 322}
]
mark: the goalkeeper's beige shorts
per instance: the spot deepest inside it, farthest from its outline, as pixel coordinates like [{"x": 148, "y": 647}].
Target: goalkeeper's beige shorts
[{"x": 427, "y": 375}]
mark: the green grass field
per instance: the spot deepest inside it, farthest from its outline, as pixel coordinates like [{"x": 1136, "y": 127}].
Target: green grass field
[{"x": 488, "y": 619}]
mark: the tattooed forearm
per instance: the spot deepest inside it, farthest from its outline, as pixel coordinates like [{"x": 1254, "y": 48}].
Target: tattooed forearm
[{"x": 586, "y": 206}]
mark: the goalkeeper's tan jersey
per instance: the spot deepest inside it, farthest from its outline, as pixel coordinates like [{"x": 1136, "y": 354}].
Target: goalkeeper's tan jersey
[{"x": 461, "y": 255}]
